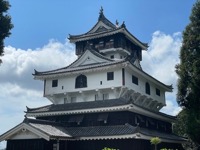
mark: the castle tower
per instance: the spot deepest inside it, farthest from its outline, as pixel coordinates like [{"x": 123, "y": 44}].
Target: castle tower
[{"x": 103, "y": 99}]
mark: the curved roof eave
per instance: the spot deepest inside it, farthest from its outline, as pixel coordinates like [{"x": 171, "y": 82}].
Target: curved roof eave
[
  {"x": 123, "y": 30},
  {"x": 50, "y": 74},
  {"x": 94, "y": 107}
]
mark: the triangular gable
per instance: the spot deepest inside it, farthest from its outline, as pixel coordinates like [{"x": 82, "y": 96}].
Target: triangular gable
[
  {"x": 35, "y": 131},
  {"x": 99, "y": 27},
  {"x": 103, "y": 24},
  {"x": 89, "y": 58},
  {"x": 22, "y": 129}
]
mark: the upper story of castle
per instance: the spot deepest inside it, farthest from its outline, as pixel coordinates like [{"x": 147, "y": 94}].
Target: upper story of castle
[
  {"x": 107, "y": 67},
  {"x": 111, "y": 40}
]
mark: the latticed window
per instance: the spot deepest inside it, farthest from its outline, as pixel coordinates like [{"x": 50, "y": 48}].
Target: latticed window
[
  {"x": 81, "y": 81},
  {"x": 147, "y": 88}
]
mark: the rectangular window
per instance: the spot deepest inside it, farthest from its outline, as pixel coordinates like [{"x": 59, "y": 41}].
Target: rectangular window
[
  {"x": 101, "y": 45},
  {"x": 105, "y": 96},
  {"x": 66, "y": 100},
  {"x": 110, "y": 76},
  {"x": 54, "y": 83},
  {"x": 73, "y": 99},
  {"x": 112, "y": 57},
  {"x": 134, "y": 80},
  {"x": 76, "y": 119},
  {"x": 109, "y": 44},
  {"x": 103, "y": 117},
  {"x": 54, "y": 146},
  {"x": 123, "y": 76},
  {"x": 147, "y": 88},
  {"x": 96, "y": 97},
  {"x": 157, "y": 92}
]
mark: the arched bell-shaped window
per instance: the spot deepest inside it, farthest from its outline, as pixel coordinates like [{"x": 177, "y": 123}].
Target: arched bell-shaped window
[
  {"x": 81, "y": 81},
  {"x": 147, "y": 88}
]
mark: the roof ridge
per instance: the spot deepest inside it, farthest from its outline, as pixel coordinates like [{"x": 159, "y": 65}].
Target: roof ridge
[
  {"x": 101, "y": 18},
  {"x": 119, "y": 125},
  {"x": 83, "y": 105},
  {"x": 104, "y": 19},
  {"x": 29, "y": 109},
  {"x": 40, "y": 121},
  {"x": 95, "y": 33}
]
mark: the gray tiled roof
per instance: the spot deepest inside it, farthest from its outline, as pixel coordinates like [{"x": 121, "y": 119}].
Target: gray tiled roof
[
  {"x": 95, "y": 34},
  {"x": 58, "y": 130},
  {"x": 155, "y": 133},
  {"x": 80, "y": 105},
  {"x": 101, "y": 18},
  {"x": 126, "y": 129},
  {"x": 88, "y": 105},
  {"x": 52, "y": 129},
  {"x": 102, "y": 130},
  {"x": 78, "y": 68},
  {"x": 102, "y": 32}
]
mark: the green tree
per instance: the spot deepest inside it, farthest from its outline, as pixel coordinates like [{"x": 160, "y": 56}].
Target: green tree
[
  {"x": 155, "y": 141},
  {"x": 181, "y": 128},
  {"x": 188, "y": 70},
  {"x": 5, "y": 24}
]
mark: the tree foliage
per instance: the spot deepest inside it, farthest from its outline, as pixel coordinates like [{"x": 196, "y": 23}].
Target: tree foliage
[
  {"x": 188, "y": 70},
  {"x": 107, "y": 148},
  {"x": 182, "y": 127},
  {"x": 155, "y": 141},
  {"x": 5, "y": 24}
]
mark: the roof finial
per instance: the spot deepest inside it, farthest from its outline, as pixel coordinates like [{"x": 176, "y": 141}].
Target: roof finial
[
  {"x": 117, "y": 23},
  {"x": 101, "y": 10},
  {"x": 123, "y": 25},
  {"x": 101, "y": 16}
]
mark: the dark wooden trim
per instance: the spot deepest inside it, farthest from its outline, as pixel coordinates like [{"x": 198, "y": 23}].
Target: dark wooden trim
[
  {"x": 123, "y": 76},
  {"x": 44, "y": 87}
]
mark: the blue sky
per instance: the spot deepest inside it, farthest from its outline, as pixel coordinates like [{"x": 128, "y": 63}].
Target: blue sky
[
  {"x": 39, "y": 41},
  {"x": 38, "y": 21}
]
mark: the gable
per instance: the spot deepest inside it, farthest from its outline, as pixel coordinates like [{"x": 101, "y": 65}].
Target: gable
[
  {"x": 99, "y": 27},
  {"x": 35, "y": 131},
  {"x": 89, "y": 58},
  {"x": 24, "y": 131},
  {"x": 24, "y": 134}
]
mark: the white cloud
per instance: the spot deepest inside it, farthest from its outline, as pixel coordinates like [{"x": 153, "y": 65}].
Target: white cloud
[
  {"x": 18, "y": 89},
  {"x": 18, "y": 64},
  {"x": 160, "y": 60},
  {"x": 171, "y": 108}
]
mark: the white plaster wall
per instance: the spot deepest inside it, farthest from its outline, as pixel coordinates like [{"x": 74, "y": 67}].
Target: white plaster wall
[
  {"x": 25, "y": 135},
  {"x": 141, "y": 86},
  {"x": 116, "y": 55},
  {"x": 93, "y": 82},
  {"x": 66, "y": 85},
  {"x": 87, "y": 96}
]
